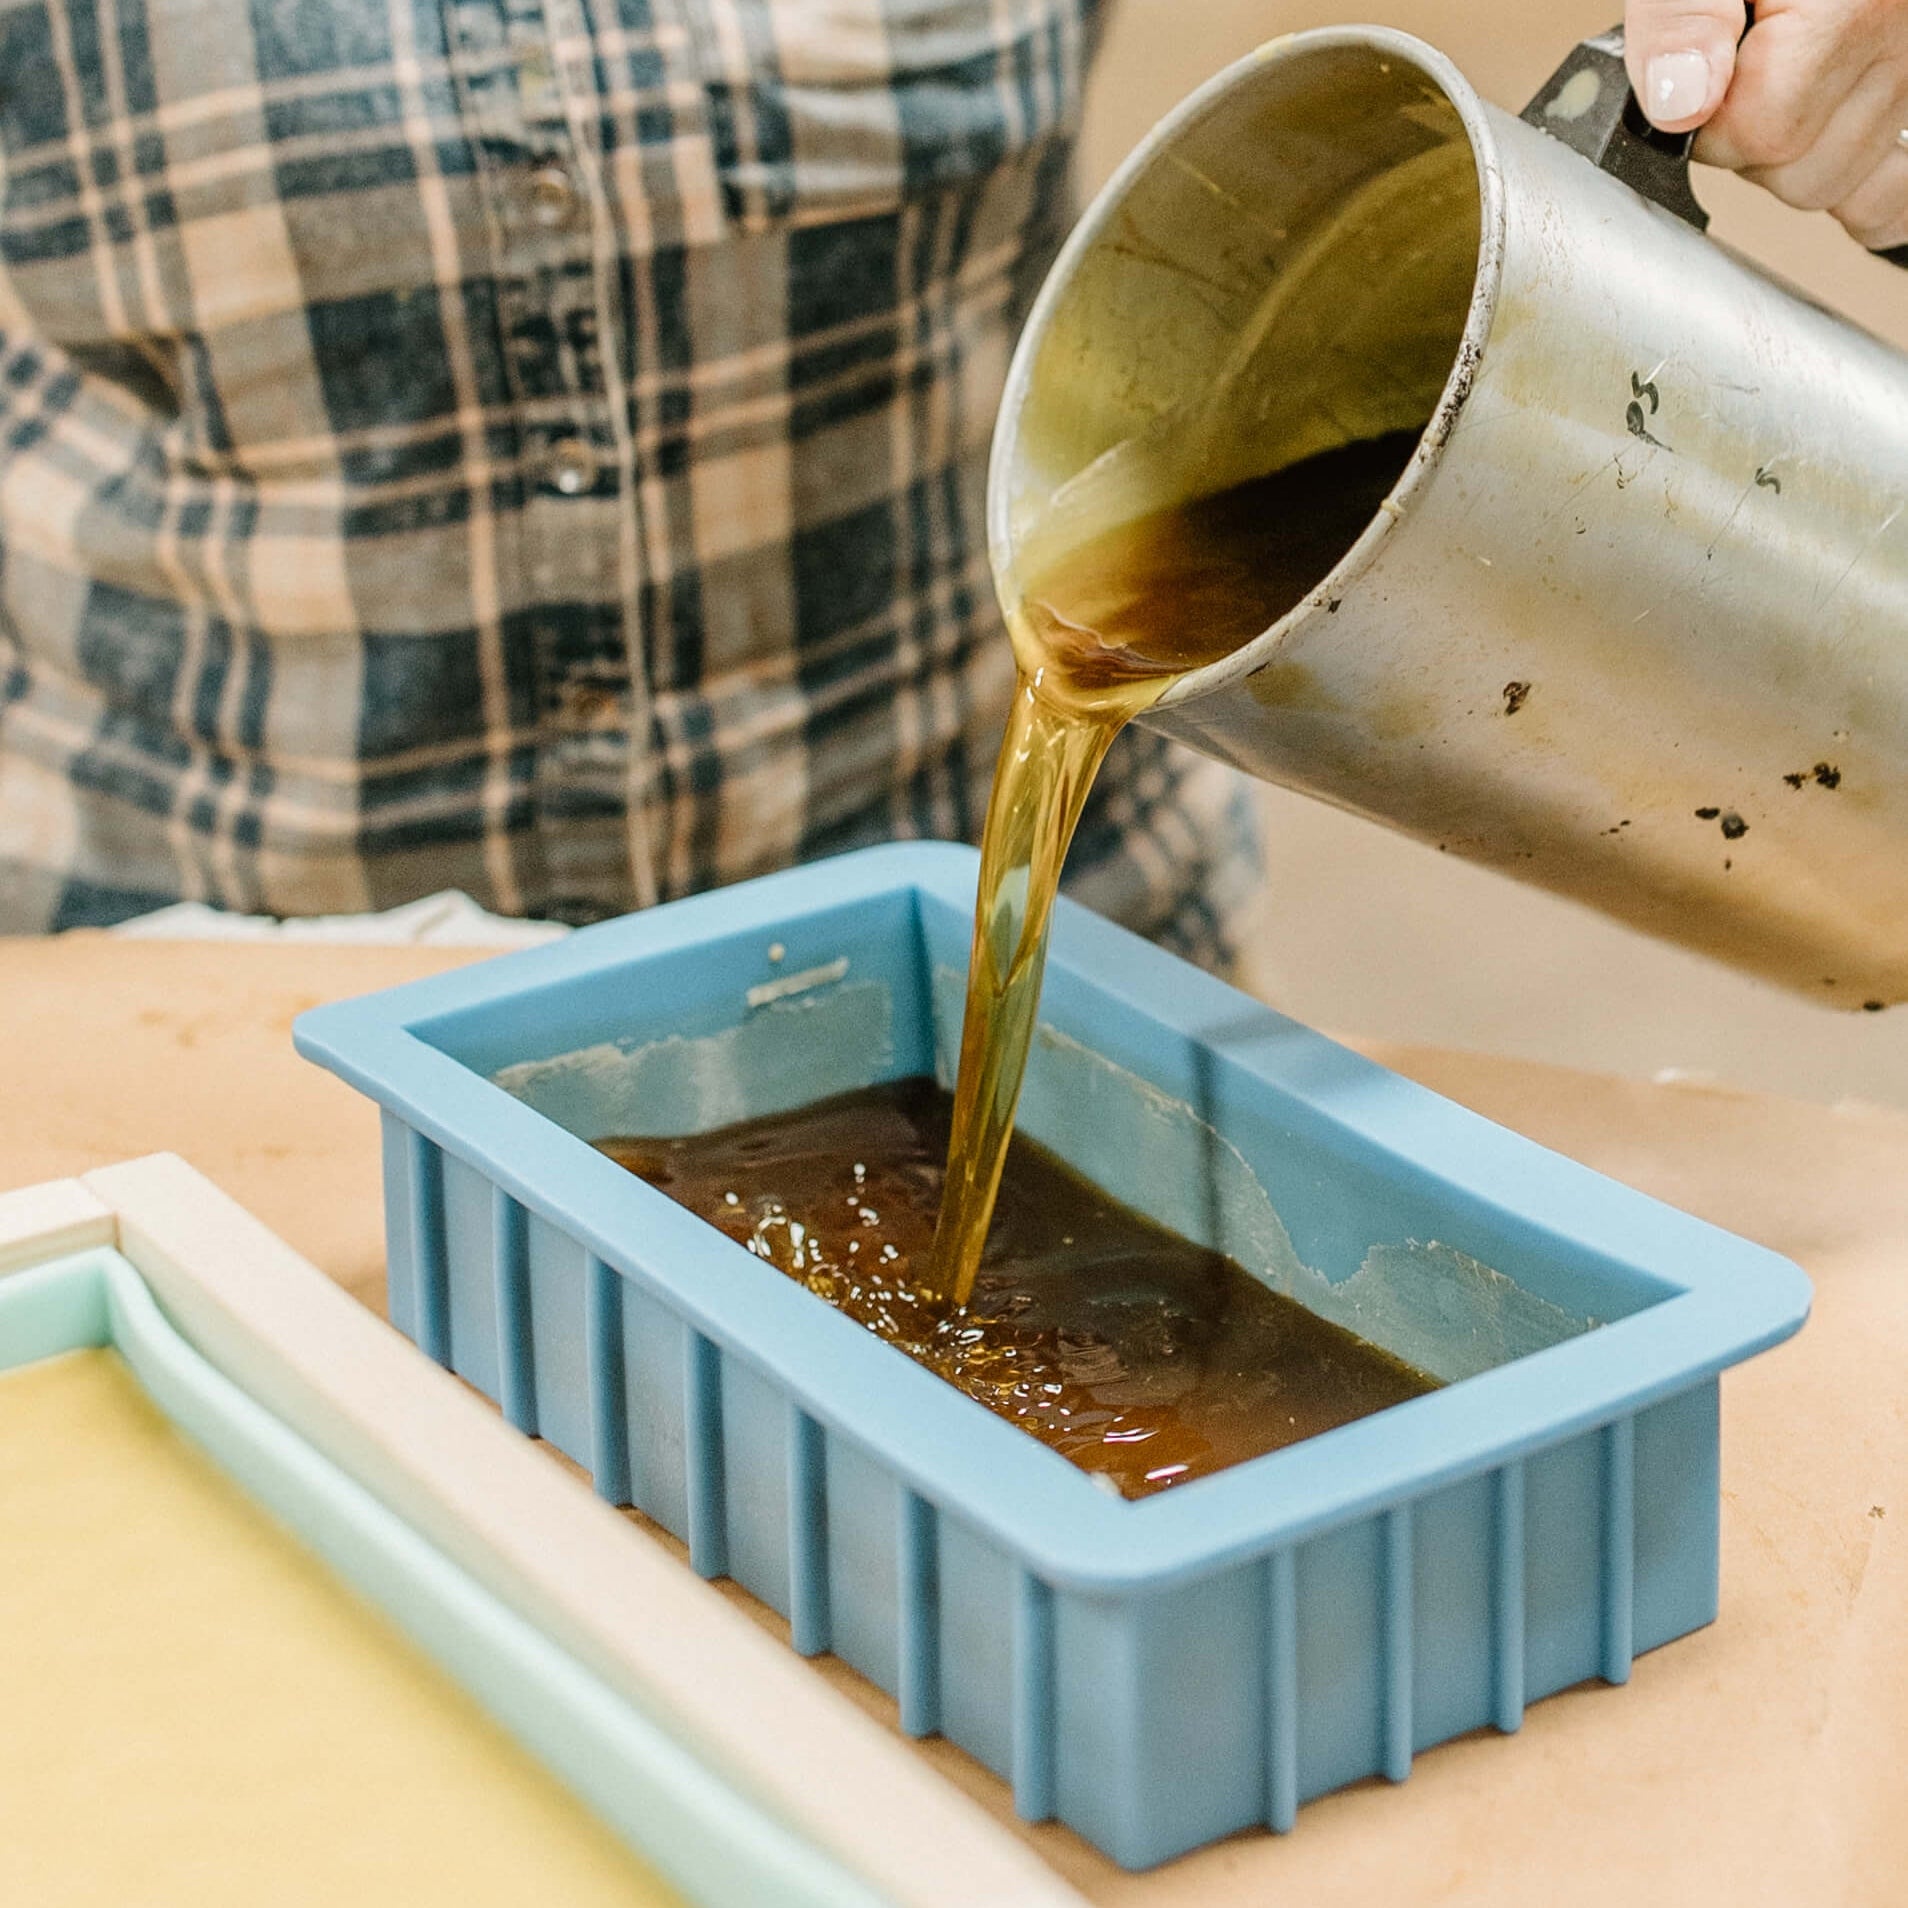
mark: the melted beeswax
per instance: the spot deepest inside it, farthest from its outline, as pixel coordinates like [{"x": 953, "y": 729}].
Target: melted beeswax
[{"x": 1143, "y": 1358}]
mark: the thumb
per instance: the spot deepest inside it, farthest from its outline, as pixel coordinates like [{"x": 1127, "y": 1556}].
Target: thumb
[{"x": 1681, "y": 54}]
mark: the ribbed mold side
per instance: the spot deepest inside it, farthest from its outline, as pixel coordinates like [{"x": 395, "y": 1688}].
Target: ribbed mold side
[
  {"x": 606, "y": 1379},
  {"x": 1399, "y": 1653},
  {"x": 1453, "y": 1566},
  {"x": 917, "y": 1688},
  {"x": 864, "y": 1561},
  {"x": 470, "y": 1251},
  {"x": 654, "y": 1366},
  {"x": 1445, "y": 1615},
  {"x": 707, "y": 1534},
  {"x": 1460, "y": 1608},
  {"x": 810, "y": 1626},
  {"x": 510, "y": 1302},
  {"x": 400, "y": 1260},
  {"x": 1565, "y": 1548},
  {"x": 978, "y": 1582},
  {"x": 426, "y": 1247},
  {"x": 1616, "y": 1575},
  {"x": 1036, "y": 1721},
  {"x": 1280, "y": 1687},
  {"x": 1151, "y": 1723},
  {"x": 1160, "y": 1742},
  {"x": 1340, "y": 1667},
  {"x": 1358, "y": 1616},
  {"x": 758, "y": 1485},
  {"x": 1507, "y": 1597},
  {"x": 1678, "y": 1512}
]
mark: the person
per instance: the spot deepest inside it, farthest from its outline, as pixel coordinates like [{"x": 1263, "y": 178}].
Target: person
[
  {"x": 534, "y": 447},
  {"x": 538, "y": 446},
  {"x": 1812, "y": 102}
]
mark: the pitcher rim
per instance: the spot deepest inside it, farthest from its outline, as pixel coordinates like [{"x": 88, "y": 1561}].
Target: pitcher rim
[{"x": 1470, "y": 108}]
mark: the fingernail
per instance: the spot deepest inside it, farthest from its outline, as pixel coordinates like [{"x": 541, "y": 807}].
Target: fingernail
[{"x": 1675, "y": 86}]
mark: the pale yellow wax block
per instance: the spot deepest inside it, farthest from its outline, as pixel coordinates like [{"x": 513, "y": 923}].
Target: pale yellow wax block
[{"x": 196, "y": 1712}]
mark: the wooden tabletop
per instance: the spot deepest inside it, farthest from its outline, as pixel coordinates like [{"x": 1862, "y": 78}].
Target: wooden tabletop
[{"x": 1759, "y": 1762}]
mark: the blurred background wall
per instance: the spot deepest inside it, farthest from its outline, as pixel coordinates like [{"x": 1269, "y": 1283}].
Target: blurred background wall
[{"x": 1359, "y": 931}]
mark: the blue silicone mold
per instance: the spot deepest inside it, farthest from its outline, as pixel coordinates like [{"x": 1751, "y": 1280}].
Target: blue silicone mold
[{"x": 1156, "y": 1674}]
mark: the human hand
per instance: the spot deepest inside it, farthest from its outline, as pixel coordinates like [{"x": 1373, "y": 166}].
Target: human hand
[{"x": 1812, "y": 103}]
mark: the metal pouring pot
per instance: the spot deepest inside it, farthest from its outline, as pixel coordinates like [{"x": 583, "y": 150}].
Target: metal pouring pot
[{"x": 1633, "y": 623}]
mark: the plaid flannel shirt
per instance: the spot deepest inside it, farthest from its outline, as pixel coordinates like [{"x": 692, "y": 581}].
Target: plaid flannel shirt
[{"x": 535, "y": 446}]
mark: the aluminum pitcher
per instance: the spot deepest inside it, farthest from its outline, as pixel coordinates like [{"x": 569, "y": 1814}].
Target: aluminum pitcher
[{"x": 1633, "y": 623}]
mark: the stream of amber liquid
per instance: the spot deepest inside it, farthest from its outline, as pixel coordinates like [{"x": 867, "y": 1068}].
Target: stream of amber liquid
[
  {"x": 1099, "y": 637},
  {"x": 1047, "y": 765}
]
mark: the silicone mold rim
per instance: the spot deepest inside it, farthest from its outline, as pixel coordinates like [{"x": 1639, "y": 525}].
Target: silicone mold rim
[{"x": 1727, "y": 1298}]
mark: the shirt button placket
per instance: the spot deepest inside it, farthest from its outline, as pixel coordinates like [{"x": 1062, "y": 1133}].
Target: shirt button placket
[{"x": 569, "y": 522}]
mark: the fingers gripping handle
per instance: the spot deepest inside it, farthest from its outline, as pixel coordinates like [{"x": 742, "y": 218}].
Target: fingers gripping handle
[{"x": 1588, "y": 104}]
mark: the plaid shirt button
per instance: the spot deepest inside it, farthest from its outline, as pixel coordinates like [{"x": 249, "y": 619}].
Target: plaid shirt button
[
  {"x": 587, "y": 705},
  {"x": 570, "y": 466},
  {"x": 553, "y": 196}
]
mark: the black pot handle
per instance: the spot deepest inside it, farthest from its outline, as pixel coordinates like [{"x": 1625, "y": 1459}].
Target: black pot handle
[{"x": 1588, "y": 104}]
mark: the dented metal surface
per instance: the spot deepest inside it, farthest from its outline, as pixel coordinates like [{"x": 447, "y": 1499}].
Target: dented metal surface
[{"x": 1634, "y": 624}]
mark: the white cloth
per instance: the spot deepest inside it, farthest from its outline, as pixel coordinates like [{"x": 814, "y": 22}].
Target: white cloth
[{"x": 449, "y": 919}]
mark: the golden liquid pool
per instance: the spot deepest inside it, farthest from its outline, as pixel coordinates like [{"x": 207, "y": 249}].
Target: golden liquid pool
[{"x": 1143, "y": 1358}]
